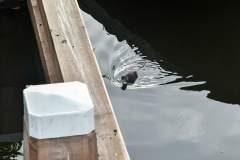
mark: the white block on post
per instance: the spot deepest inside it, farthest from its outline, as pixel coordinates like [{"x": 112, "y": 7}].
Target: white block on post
[{"x": 59, "y": 110}]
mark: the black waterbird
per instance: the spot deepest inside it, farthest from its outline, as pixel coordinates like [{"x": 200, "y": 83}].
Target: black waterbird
[{"x": 129, "y": 78}]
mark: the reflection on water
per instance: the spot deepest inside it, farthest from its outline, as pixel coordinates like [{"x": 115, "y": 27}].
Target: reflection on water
[
  {"x": 200, "y": 37},
  {"x": 163, "y": 122},
  {"x": 167, "y": 123},
  {"x": 125, "y": 60},
  {"x": 10, "y": 150},
  {"x": 153, "y": 68}
]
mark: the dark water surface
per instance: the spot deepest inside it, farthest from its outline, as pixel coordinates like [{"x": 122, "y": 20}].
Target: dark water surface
[
  {"x": 20, "y": 65},
  {"x": 185, "y": 103}
]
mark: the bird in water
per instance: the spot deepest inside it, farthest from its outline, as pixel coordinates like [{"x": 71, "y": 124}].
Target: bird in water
[{"x": 129, "y": 78}]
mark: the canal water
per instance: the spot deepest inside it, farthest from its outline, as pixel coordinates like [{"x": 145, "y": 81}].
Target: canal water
[
  {"x": 185, "y": 103},
  {"x": 20, "y": 65}
]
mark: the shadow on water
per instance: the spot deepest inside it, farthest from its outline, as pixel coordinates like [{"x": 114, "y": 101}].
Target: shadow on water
[
  {"x": 20, "y": 65},
  {"x": 202, "y": 38}
]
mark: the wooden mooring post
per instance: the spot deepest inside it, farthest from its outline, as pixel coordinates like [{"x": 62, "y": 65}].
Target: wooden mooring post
[
  {"x": 59, "y": 122},
  {"x": 67, "y": 55}
]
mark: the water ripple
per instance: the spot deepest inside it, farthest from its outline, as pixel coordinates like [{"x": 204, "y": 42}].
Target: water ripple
[{"x": 150, "y": 73}]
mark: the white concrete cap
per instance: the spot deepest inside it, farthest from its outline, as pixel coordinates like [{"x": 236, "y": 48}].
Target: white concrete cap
[{"x": 58, "y": 110}]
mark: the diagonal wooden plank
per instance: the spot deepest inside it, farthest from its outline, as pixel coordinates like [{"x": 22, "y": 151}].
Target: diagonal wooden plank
[
  {"x": 49, "y": 62},
  {"x": 67, "y": 38}
]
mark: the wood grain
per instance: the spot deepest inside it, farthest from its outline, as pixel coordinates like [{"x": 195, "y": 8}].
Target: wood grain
[
  {"x": 48, "y": 57},
  {"x": 65, "y": 148},
  {"x": 70, "y": 43}
]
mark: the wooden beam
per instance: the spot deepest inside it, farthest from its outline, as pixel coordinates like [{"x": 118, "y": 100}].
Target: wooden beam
[
  {"x": 77, "y": 62},
  {"x": 74, "y": 147},
  {"x": 48, "y": 56}
]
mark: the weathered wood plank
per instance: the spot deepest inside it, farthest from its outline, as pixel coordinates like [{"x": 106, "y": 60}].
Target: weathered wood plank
[
  {"x": 73, "y": 147},
  {"x": 49, "y": 62},
  {"x": 77, "y": 62}
]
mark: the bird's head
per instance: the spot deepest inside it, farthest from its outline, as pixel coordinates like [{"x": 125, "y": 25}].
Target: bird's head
[{"x": 124, "y": 82}]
